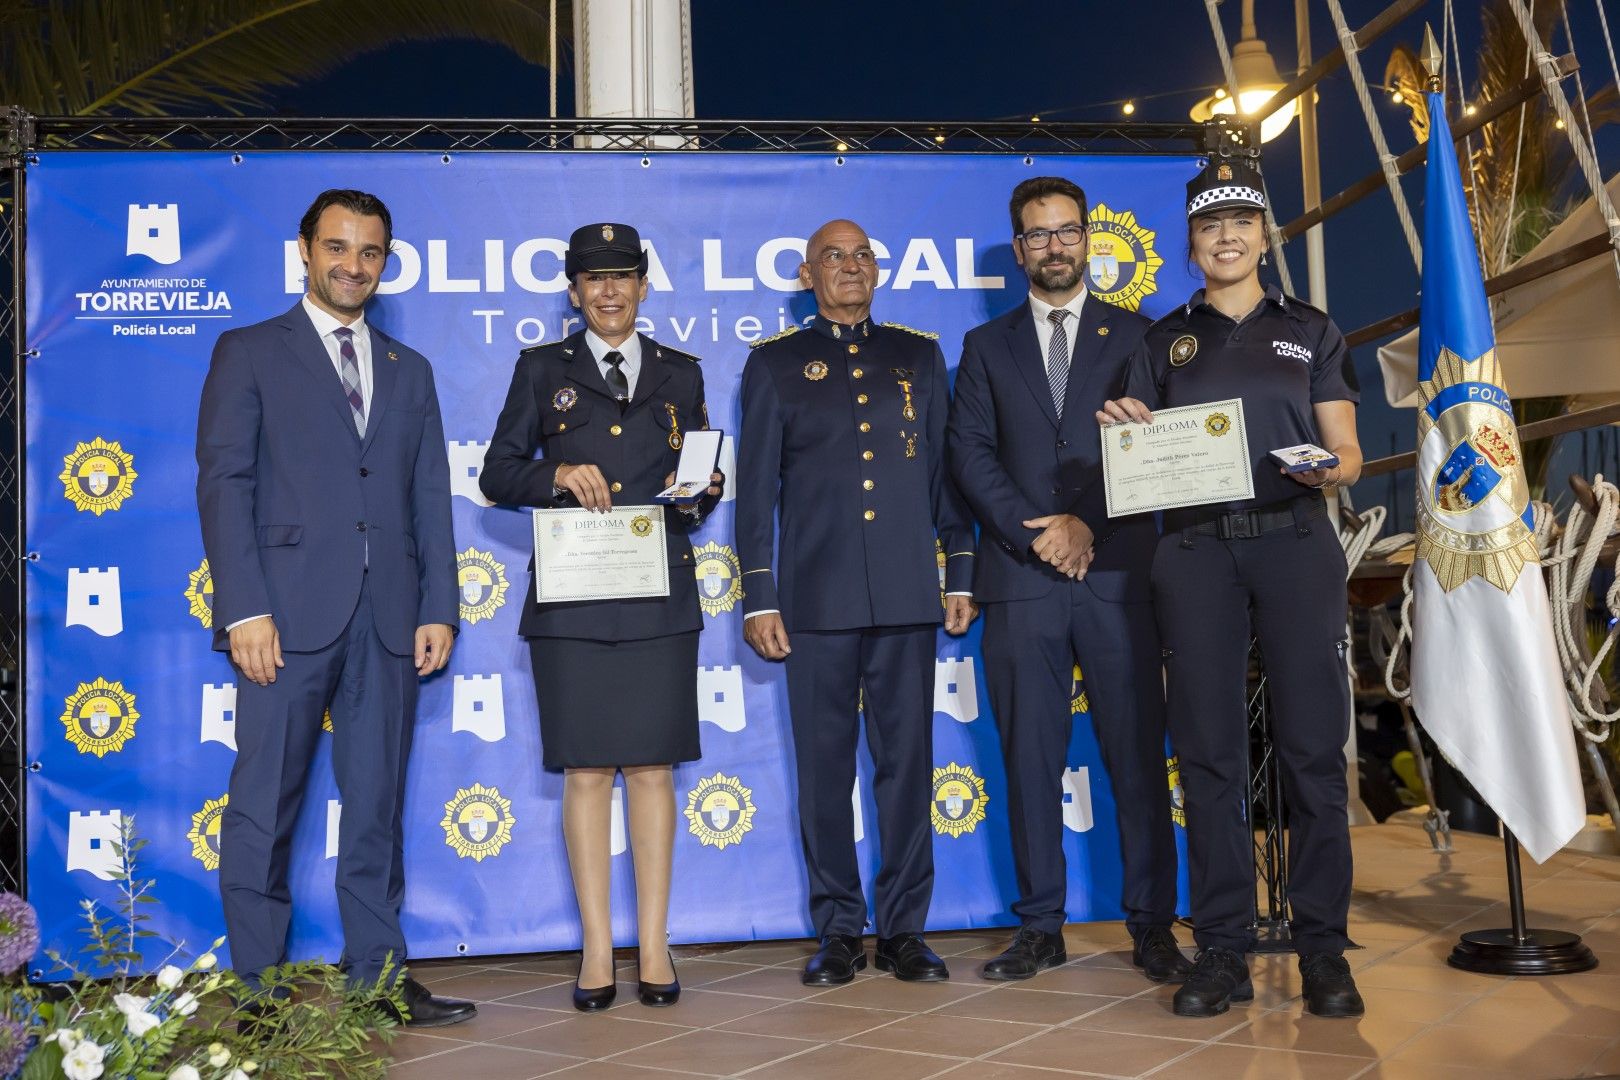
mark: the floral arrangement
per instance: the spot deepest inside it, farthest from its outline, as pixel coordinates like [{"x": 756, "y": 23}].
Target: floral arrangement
[{"x": 186, "y": 1022}]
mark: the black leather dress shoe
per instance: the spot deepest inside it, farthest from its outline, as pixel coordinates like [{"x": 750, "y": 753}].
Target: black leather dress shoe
[
  {"x": 422, "y": 1009},
  {"x": 595, "y": 999},
  {"x": 1159, "y": 957},
  {"x": 1031, "y": 950},
  {"x": 1218, "y": 978},
  {"x": 658, "y": 995},
  {"x": 1329, "y": 988},
  {"x": 836, "y": 962},
  {"x": 910, "y": 958}
]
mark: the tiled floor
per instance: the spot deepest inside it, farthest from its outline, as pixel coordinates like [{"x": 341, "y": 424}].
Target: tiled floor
[{"x": 744, "y": 1012}]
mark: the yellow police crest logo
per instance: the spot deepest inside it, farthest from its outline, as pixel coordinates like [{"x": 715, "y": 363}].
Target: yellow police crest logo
[
  {"x": 98, "y": 476},
  {"x": 1121, "y": 265},
  {"x": 326, "y": 721},
  {"x": 200, "y": 594},
  {"x": 482, "y": 582},
  {"x": 204, "y": 832},
  {"x": 1218, "y": 424},
  {"x": 719, "y": 810},
  {"x": 641, "y": 524},
  {"x": 1125, "y": 441},
  {"x": 719, "y": 578},
  {"x": 100, "y": 717},
  {"x": 478, "y": 822},
  {"x": 959, "y": 800},
  {"x": 1182, "y": 350},
  {"x": 1178, "y": 797},
  {"x": 1078, "y": 701}
]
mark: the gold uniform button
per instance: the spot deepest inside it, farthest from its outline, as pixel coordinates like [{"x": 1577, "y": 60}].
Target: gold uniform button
[
  {"x": 868, "y": 485},
  {"x": 870, "y": 515},
  {"x": 866, "y": 455},
  {"x": 853, "y": 349},
  {"x": 615, "y": 430},
  {"x": 860, "y": 399},
  {"x": 865, "y": 426},
  {"x": 562, "y": 427},
  {"x": 857, "y": 373},
  {"x": 616, "y": 487}
]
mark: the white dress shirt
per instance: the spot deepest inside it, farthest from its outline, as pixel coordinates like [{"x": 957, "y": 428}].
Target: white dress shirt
[
  {"x": 1043, "y": 324},
  {"x": 630, "y": 350},
  {"x": 325, "y": 323}
]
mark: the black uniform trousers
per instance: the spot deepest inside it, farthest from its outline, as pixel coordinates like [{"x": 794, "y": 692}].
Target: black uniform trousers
[
  {"x": 1286, "y": 586},
  {"x": 372, "y": 695},
  {"x": 1030, "y": 649},
  {"x": 825, "y": 673}
]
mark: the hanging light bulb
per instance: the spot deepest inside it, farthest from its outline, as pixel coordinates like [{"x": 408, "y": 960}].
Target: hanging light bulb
[
  {"x": 1128, "y": 108},
  {"x": 1255, "y": 73}
]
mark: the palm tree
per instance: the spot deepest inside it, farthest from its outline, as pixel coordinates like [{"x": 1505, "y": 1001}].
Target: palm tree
[
  {"x": 1521, "y": 178},
  {"x": 148, "y": 58}
]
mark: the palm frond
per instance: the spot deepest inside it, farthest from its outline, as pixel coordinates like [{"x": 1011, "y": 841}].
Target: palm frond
[{"x": 146, "y": 58}]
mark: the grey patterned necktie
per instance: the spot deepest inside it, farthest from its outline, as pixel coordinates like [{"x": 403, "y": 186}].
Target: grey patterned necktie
[
  {"x": 1057, "y": 359},
  {"x": 351, "y": 377}
]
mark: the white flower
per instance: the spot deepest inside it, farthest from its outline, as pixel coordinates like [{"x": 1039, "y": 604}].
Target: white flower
[
  {"x": 184, "y": 1005},
  {"x": 185, "y": 1072},
  {"x": 237, "y": 1074},
  {"x": 136, "y": 1018},
  {"x": 83, "y": 1062},
  {"x": 169, "y": 977},
  {"x": 250, "y": 1066},
  {"x": 206, "y": 961},
  {"x": 218, "y": 1055}
]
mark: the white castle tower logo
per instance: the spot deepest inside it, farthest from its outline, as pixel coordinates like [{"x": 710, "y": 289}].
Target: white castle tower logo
[
  {"x": 720, "y": 697},
  {"x": 334, "y": 816},
  {"x": 95, "y": 600},
  {"x": 154, "y": 231},
  {"x": 956, "y": 688},
  {"x": 92, "y": 839},
  {"x": 1077, "y": 799},
  {"x": 219, "y": 714},
  {"x": 479, "y": 707},
  {"x": 466, "y": 463}
]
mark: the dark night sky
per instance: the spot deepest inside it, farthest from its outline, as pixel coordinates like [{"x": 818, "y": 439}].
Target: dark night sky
[{"x": 961, "y": 60}]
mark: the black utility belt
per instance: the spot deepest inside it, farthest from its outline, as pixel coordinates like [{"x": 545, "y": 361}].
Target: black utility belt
[{"x": 1245, "y": 524}]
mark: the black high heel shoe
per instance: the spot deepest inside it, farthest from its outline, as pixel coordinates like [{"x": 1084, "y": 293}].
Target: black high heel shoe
[
  {"x": 597, "y": 999},
  {"x": 658, "y": 995}
]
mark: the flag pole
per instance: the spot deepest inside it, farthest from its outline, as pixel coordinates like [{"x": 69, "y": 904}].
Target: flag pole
[{"x": 1519, "y": 950}]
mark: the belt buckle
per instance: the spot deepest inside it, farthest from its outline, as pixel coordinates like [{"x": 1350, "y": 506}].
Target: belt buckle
[{"x": 1240, "y": 525}]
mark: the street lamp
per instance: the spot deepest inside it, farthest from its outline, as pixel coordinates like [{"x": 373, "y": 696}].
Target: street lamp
[{"x": 1256, "y": 76}]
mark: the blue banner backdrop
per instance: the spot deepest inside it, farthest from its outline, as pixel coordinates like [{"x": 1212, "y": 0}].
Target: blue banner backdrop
[{"x": 137, "y": 261}]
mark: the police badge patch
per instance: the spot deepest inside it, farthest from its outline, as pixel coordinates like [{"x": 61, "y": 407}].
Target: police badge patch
[
  {"x": 477, "y": 822},
  {"x": 719, "y": 578},
  {"x": 1183, "y": 349},
  {"x": 719, "y": 810},
  {"x": 959, "y": 800},
  {"x": 100, "y": 717},
  {"x": 482, "y": 583},
  {"x": 204, "y": 832}
]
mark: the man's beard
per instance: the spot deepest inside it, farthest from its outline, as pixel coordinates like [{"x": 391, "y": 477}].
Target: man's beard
[{"x": 1057, "y": 277}]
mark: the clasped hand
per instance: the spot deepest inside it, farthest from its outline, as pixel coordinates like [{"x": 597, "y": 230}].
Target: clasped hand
[{"x": 1065, "y": 543}]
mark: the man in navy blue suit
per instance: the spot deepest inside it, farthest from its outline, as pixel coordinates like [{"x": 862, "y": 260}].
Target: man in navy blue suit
[
  {"x": 324, "y": 492},
  {"x": 1061, "y": 582}
]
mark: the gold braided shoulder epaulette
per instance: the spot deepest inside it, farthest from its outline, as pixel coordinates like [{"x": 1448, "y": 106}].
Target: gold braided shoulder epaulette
[
  {"x": 789, "y": 332},
  {"x": 929, "y": 334}
]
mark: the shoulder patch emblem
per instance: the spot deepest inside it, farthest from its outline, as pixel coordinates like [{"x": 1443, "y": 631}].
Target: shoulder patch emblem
[
  {"x": 778, "y": 336},
  {"x": 929, "y": 334}
]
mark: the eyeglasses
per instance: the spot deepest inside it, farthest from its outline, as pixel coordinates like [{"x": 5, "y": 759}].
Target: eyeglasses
[
  {"x": 833, "y": 258},
  {"x": 1036, "y": 239}
]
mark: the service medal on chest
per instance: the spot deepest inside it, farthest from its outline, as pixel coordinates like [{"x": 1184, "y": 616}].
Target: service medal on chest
[
  {"x": 815, "y": 370},
  {"x": 564, "y": 399}
]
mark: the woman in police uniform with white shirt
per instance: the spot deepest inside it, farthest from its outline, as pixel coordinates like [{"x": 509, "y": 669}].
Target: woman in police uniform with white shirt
[{"x": 1269, "y": 567}]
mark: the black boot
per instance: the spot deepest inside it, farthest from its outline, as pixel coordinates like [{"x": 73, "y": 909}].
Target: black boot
[
  {"x": 1159, "y": 957},
  {"x": 1218, "y": 978},
  {"x": 1329, "y": 988}
]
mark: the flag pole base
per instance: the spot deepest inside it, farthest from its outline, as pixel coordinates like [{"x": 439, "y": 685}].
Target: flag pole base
[{"x": 1538, "y": 952}]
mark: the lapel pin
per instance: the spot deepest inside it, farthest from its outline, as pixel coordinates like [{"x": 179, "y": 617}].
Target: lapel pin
[
  {"x": 1102, "y": 331},
  {"x": 568, "y": 352}
]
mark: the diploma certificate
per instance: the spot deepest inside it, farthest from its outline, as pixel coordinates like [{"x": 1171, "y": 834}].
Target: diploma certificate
[
  {"x": 581, "y": 555},
  {"x": 1188, "y": 456}
]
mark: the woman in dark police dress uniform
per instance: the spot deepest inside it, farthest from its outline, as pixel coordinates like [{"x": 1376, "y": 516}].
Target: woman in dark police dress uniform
[
  {"x": 616, "y": 679},
  {"x": 1271, "y": 567}
]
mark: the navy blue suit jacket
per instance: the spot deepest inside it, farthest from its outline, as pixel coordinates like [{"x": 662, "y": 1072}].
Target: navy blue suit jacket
[
  {"x": 294, "y": 503},
  {"x": 559, "y": 404},
  {"x": 1013, "y": 460},
  {"x": 861, "y": 490}
]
